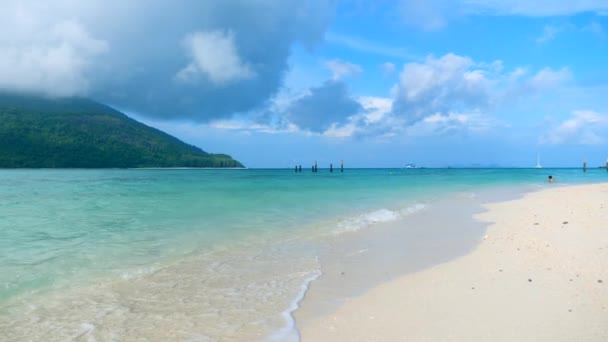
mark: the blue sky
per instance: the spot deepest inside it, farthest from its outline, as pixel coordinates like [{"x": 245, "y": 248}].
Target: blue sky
[{"x": 375, "y": 83}]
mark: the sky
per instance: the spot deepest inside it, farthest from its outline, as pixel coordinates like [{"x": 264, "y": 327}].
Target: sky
[{"x": 374, "y": 83}]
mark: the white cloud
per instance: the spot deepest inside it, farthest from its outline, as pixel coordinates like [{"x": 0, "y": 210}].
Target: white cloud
[
  {"x": 548, "y": 78},
  {"x": 376, "y": 108},
  {"x": 517, "y": 74},
  {"x": 456, "y": 92},
  {"x": 372, "y": 47},
  {"x": 438, "y": 118},
  {"x": 238, "y": 124},
  {"x": 214, "y": 55},
  {"x": 55, "y": 62},
  {"x": 441, "y": 95},
  {"x": 343, "y": 131},
  {"x": 584, "y": 127},
  {"x": 374, "y": 120},
  {"x": 341, "y": 69},
  {"x": 441, "y": 85},
  {"x": 475, "y": 121},
  {"x": 418, "y": 79},
  {"x": 549, "y": 33},
  {"x": 246, "y": 125}
]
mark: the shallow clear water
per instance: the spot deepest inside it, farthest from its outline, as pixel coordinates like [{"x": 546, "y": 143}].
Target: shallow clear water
[{"x": 241, "y": 240}]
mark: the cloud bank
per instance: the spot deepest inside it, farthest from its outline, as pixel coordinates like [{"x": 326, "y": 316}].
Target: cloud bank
[
  {"x": 190, "y": 59},
  {"x": 209, "y": 61},
  {"x": 441, "y": 95},
  {"x": 447, "y": 94},
  {"x": 584, "y": 127}
]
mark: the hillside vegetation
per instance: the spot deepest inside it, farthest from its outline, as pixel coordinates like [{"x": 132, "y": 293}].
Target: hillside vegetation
[{"x": 38, "y": 132}]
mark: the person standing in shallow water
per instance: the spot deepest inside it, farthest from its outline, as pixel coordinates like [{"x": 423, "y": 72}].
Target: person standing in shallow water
[{"x": 550, "y": 180}]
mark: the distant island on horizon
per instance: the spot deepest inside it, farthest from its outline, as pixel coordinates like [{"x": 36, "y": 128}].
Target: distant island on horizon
[{"x": 75, "y": 132}]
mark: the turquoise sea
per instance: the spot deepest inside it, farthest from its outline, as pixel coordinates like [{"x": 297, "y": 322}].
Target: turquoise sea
[{"x": 191, "y": 254}]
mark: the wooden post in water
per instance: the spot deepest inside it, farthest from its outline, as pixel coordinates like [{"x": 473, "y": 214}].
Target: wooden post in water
[
  {"x": 331, "y": 167},
  {"x": 341, "y": 165},
  {"x": 300, "y": 168},
  {"x": 316, "y": 167},
  {"x": 296, "y": 168},
  {"x": 585, "y": 166}
]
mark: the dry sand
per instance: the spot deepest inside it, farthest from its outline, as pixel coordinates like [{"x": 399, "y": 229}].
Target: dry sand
[{"x": 540, "y": 274}]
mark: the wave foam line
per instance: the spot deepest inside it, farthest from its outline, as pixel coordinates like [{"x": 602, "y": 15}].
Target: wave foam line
[
  {"x": 374, "y": 217},
  {"x": 290, "y": 333}
]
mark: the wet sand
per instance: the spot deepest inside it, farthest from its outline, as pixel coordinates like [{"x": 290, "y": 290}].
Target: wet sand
[{"x": 540, "y": 274}]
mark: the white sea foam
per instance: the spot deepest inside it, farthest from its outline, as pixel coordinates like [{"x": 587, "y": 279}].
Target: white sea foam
[
  {"x": 374, "y": 217},
  {"x": 86, "y": 329},
  {"x": 290, "y": 333},
  {"x": 361, "y": 251},
  {"x": 412, "y": 209},
  {"x": 137, "y": 273},
  {"x": 469, "y": 195}
]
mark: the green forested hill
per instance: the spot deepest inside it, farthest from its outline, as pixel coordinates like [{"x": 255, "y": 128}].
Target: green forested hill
[{"x": 38, "y": 132}]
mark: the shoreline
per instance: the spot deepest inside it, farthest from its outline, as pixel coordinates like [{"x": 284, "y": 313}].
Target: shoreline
[
  {"x": 219, "y": 292},
  {"x": 102, "y": 309},
  {"x": 431, "y": 233},
  {"x": 532, "y": 277}
]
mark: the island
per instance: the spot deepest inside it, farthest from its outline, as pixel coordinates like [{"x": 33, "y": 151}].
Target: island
[{"x": 76, "y": 132}]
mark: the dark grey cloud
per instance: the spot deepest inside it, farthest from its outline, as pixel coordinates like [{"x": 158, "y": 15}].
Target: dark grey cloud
[
  {"x": 189, "y": 59},
  {"x": 323, "y": 106}
]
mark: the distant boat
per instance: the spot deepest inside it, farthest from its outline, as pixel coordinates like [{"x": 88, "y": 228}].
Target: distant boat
[
  {"x": 410, "y": 166},
  {"x": 538, "y": 166}
]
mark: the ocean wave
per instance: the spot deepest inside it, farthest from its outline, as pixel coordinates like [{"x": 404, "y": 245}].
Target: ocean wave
[
  {"x": 374, "y": 217},
  {"x": 290, "y": 333}
]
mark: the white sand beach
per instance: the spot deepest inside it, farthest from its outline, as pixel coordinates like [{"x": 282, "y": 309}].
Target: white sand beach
[{"x": 540, "y": 274}]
